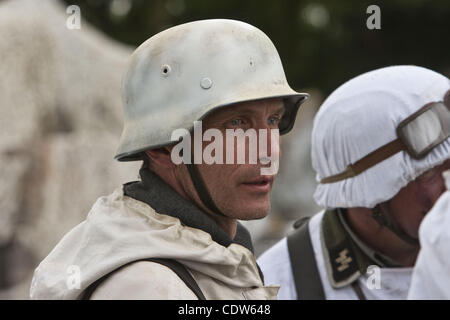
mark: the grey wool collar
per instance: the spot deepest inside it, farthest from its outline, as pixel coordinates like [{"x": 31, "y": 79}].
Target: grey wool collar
[{"x": 153, "y": 191}]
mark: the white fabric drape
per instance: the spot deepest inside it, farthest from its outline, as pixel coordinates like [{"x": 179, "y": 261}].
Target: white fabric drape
[{"x": 361, "y": 116}]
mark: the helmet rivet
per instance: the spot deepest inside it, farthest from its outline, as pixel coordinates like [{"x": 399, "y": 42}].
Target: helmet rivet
[
  {"x": 165, "y": 70},
  {"x": 206, "y": 83}
]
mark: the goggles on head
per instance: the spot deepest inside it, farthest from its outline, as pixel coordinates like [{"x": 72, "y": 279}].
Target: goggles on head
[{"x": 417, "y": 135}]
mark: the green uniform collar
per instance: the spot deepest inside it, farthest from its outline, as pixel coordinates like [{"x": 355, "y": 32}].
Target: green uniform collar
[{"x": 346, "y": 257}]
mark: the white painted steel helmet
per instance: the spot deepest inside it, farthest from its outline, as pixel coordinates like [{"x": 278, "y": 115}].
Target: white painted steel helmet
[{"x": 183, "y": 73}]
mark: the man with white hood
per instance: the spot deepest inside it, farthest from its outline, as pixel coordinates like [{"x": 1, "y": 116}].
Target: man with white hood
[
  {"x": 380, "y": 143},
  {"x": 175, "y": 234}
]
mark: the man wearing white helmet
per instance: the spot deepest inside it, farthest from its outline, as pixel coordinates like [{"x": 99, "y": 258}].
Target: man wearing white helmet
[
  {"x": 380, "y": 143},
  {"x": 174, "y": 234}
]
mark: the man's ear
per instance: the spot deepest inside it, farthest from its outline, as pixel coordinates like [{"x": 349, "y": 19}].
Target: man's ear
[{"x": 161, "y": 157}]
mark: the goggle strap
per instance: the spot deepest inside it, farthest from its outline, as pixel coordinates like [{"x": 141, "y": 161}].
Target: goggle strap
[
  {"x": 367, "y": 162},
  {"x": 376, "y": 156}
]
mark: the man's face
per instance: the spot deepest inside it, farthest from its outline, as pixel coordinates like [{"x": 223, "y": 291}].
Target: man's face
[
  {"x": 412, "y": 203},
  {"x": 239, "y": 190}
]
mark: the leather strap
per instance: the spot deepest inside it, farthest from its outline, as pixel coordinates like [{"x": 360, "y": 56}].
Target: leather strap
[
  {"x": 303, "y": 263},
  {"x": 368, "y": 161},
  {"x": 201, "y": 189},
  {"x": 358, "y": 290},
  {"x": 174, "y": 265},
  {"x": 385, "y": 219}
]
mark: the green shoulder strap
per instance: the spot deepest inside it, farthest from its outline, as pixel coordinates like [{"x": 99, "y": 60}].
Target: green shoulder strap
[{"x": 303, "y": 263}]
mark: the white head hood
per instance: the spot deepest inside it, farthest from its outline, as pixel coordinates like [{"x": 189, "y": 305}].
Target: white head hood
[{"x": 361, "y": 116}]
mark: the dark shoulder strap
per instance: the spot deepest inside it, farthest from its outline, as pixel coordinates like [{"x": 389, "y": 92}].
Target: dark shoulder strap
[
  {"x": 303, "y": 263},
  {"x": 174, "y": 265},
  {"x": 357, "y": 289}
]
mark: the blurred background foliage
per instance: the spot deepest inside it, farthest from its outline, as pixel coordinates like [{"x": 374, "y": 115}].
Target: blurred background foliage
[{"x": 322, "y": 43}]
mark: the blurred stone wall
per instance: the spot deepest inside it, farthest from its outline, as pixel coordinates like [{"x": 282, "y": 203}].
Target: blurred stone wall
[{"x": 60, "y": 121}]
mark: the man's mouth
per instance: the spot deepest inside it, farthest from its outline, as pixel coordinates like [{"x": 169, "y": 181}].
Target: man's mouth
[{"x": 260, "y": 184}]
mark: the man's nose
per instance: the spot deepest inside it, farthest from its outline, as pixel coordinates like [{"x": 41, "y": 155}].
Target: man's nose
[{"x": 269, "y": 139}]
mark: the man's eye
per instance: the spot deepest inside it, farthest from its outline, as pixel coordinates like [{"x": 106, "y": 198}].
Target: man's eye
[
  {"x": 273, "y": 120},
  {"x": 236, "y": 122}
]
